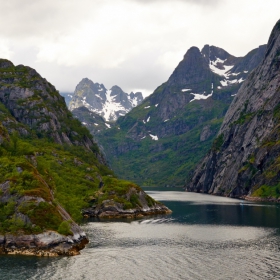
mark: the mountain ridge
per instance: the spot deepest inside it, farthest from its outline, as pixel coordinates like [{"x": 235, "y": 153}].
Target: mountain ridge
[
  {"x": 110, "y": 104},
  {"x": 178, "y": 121},
  {"x": 243, "y": 161}
]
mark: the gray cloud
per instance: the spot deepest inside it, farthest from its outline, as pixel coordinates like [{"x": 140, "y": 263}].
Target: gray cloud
[
  {"x": 198, "y": 2},
  {"x": 125, "y": 42}
]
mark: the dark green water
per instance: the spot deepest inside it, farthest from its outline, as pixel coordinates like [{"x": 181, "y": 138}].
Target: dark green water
[{"x": 206, "y": 237}]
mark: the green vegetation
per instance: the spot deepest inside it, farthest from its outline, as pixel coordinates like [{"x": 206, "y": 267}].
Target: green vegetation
[
  {"x": 218, "y": 142},
  {"x": 171, "y": 159},
  {"x": 121, "y": 191},
  {"x": 267, "y": 191},
  {"x": 37, "y": 168},
  {"x": 38, "y": 174},
  {"x": 64, "y": 228}
]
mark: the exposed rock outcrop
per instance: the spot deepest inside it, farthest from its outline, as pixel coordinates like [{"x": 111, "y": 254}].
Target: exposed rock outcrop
[
  {"x": 35, "y": 103},
  {"x": 47, "y": 244},
  {"x": 111, "y": 209}
]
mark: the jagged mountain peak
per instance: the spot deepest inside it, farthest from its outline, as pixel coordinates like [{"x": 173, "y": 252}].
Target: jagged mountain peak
[
  {"x": 213, "y": 53},
  {"x": 244, "y": 159},
  {"x": 192, "y": 51},
  {"x": 164, "y": 137},
  {"x": 110, "y": 104}
]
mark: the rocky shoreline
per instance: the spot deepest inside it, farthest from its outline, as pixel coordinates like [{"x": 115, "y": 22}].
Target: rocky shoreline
[
  {"x": 113, "y": 209},
  {"x": 47, "y": 244}
]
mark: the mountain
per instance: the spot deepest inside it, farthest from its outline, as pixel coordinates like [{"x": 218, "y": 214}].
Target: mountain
[
  {"x": 92, "y": 121},
  {"x": 161, "y": 140},
  {"x": 67, "y": 97},
  {"x": 244, "y": 158},
  {"x": 110, "y": 104},
  {"x": 52, "y": 173}
]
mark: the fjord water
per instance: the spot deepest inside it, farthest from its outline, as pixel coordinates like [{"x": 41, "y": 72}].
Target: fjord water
[{"x": 206, "y": 237}]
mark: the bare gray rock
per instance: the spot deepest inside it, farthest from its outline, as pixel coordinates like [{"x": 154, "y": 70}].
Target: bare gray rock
[{"x": 239, "y": 158}]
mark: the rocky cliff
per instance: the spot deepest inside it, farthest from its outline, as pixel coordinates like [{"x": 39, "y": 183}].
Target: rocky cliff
[
  {"x": 162, "y": 139},
  {"x": 110, "y": 104},
  {"x": 34, "y": 102},
  {"x": 244, "y": 158},
  {"x": 51, "y": 170}
]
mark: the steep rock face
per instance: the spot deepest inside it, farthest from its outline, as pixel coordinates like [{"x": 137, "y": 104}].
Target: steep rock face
[
  {"x": 162, "y": 139},
  {"x": 244, "y": 157},
  {"x": 34, "y": 102},
  {"x": 110, "y": 104}
]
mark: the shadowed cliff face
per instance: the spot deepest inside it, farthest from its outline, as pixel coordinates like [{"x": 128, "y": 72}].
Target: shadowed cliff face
[
  {"x": 244, "y": 158},
  {"x": 161, "y": 140}
]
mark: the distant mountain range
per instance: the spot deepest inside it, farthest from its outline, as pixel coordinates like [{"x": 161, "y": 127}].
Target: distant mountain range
[
  {"x": 160, "y": 141},
  {"x": 110, "y": 104}
]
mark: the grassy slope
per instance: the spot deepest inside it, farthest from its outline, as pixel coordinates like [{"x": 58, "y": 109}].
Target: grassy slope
[
  {"x": 171, "y": 159},
  {"x": 40, "y": 174}
]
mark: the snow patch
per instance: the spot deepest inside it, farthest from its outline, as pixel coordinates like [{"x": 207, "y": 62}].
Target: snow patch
[
  {"x": 166, "y": 120},
  {"x": 84, "y": 123},
  {"x": 235, "y": 74},
  {"x": 224, "y": 83},
  {"x": 186, "y": 89},
  {"x": 96, "y": 124},
  {"x": 107, "y": 125},
  {"x": 148, "y": 119},
  {"x": 156, "y": 105},
  {"x": 245, "y": 71},
  {"x": 143, "y": 137},
  {"x": 216, "y": 70},
  {"x": 110, "y": 107},
  {"x": 147, "y": 107},
  {"x": 198, "y": 96},
  {"x": 154, "y": 137}
]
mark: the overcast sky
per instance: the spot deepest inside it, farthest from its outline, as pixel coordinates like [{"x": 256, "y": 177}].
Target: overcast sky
[{"x": 135, "y": 44}]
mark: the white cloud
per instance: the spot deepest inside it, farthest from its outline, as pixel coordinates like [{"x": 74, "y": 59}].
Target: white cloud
[
  {"x": 5, "y": 51},
  {"x": 131, "y": 43}
]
